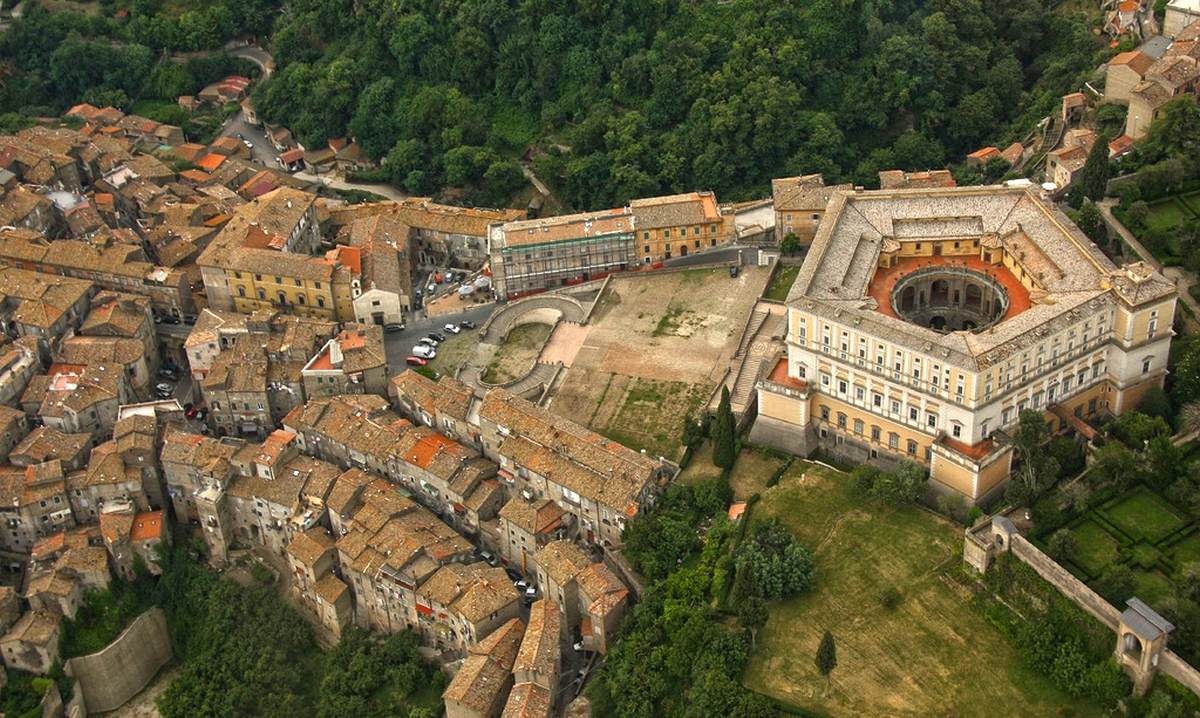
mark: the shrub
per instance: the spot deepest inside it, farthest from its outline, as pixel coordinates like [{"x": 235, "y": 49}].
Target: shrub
[
  {"x": 1062, "y": 546},
  {"x": 890, "y": 598}
]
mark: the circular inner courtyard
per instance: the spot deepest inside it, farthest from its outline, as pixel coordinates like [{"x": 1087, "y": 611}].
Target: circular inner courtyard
[{"x": 948, "y": 299}]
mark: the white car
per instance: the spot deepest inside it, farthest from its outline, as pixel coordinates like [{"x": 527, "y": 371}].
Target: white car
[
  {"x": 452, "y": 328},
  {"x": 424, "y": 351}
]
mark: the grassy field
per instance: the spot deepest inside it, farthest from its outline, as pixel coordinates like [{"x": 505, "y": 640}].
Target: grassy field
[
  {"x": 932, "y": 655},
  {"x": 781, "y": 283},
  {"x": 517, "y": 354},
  {"x": 639, "y": 422},
  {"x": 749, "y": 475}
]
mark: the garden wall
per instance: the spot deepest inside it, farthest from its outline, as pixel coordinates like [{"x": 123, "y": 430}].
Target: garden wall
[
  {"x": 1067, "y": 584},
  {"x": 1177, "y": 668},
  {"x": 112, "y": 676}
]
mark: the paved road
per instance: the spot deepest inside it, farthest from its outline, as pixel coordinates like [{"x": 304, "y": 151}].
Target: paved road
[
  {"x": 398, "y": 345},
  {"x": 715, "y": 256},
  {"x": 385, "y": 190},
  {"x": 258, "y": 56},
  {"x": 1183, "y": 279}
]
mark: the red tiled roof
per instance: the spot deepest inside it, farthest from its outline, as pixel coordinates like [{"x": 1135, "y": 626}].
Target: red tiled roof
[
  {"x": 211, "y": 162},
  {"x": 779, "y": 375},
  {"x": 147, "y": 525}
]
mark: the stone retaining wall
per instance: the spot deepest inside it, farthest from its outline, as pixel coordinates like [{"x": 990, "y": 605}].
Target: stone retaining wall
[
  {"x": 110, "y": 677},
  {"x": 1068, "y": 585}
]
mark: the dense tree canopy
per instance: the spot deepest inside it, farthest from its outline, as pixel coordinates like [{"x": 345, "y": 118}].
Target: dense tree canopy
[{"x": 644, "y": 96}]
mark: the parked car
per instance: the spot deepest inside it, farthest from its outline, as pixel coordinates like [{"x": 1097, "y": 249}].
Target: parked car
[
  {"x": 431, "y": 288},
  {"x": 452, "y": 328},
  {"x": 521, "y": 585},
  {"x": 415, "y": 361},
  {"x": 249, "y": 144},
  {"x": 164, "y": 390},
  {"x": 189, "y": 319},
  {"x": 733, "y": 271},
  {"x": 578, "y": 646},
  {"x": 467, "y": 324},
  {"x": 390, "y": 328},
  {"x": 424, "y": 352},
  {"x": 530, "y": 592},
  {"x": 201, "y": 414},
  {"x": 191, "y": 412},
  {"x": 514, "y": 574},
  {"x": 439, "y": 338},
  {"x": 426, "y": 341},
  {"x": 167, "y": 372}
]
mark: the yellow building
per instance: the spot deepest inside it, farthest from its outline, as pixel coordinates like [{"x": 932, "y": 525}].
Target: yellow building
[
  {"x": 679, "y": 225},
  {"x": 263, "y": 259},
  {"x": 800, "y": 205},
  {"x": 924, "y": 321}
]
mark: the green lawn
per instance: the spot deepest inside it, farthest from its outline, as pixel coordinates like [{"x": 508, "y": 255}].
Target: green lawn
[
  {"x": 1095, "y": 547},
  {"x": 1187, "y": 550},
  {"x": 934, "y": 654},
  {"x": 781, "y": 283},
  {"x": 1153, "y": 587},
  {"x": 1167, "y": 214},
  {"x": 1142, "y": 514}
]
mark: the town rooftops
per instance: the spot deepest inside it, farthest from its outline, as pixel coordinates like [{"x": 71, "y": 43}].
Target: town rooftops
[
  {"x": 147, "y": 526},
  {"x": 593, "y": 466},
  {"x": 534, "y": 518},
  {"x": 35, "y": 627},
  {"x": 45, "y": 443},
  {"x": 309, "y": 546},
  {"x": 539, "y": 651},
  {"x": 487, "y": 671},
  {"x": 1135, "y": 60},
  {"x": 1074, "y": 275},
  {"x": 446, "y": 395},
  {"x": 527, "y": 700},
  {"x": 562, "y": 561}
]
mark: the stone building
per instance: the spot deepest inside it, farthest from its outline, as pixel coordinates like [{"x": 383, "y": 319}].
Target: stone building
[
  {"x": 31, "y": 645},
  {"x": 353, "y": 362},
  {"x": 538, "y": 254},
  {"x": 462, "y": 603},
  {"x": 527, "y": 526},
  {"x": 924, "y": 321},
  {"x": 800, "y": 204},
  {"x": 678, "y": 225},
  {"x": 482, "y": 683}
]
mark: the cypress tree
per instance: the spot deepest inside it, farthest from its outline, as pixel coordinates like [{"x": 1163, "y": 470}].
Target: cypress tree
[
  {"x": 1093, "y": 178},
  {"x": 723, "y": 433},
  {"x": 826, "y": 655}
]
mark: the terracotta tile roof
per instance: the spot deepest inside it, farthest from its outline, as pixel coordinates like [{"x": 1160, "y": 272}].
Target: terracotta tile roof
[
  {"x": 308, "y": 547},
  {"x": 536, "y": 517},
  {"x": 676, "y": 210},
  {"x": 486, "y": 673},
  {"x": 527, "y": 700},
  {"x": 562, "y": 561},
  {"x": 800, "y": 194},
  {"x": 539, "y": 651},
  {"x": 147, "y": 526}
]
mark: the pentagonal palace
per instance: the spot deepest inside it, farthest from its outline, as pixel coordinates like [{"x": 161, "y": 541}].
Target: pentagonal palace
[{"x": 924, "y": 321}]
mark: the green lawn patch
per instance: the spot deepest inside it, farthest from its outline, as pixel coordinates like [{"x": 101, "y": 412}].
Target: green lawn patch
[
  {"x": 1187, "y": 550},
  {"x": 781, "y": 283},
  {"x": 933, "y": 654},
  {"x": 1153, "y": 587},
  {"x": 1144, "y": 515},
  {"x": 651, "y": 415},
  {"x": 1166, "y": 214},
  {"x": 1095, "y": 548}
]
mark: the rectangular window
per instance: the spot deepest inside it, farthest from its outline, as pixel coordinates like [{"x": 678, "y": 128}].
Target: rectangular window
[
  {"x": 893, "y": 440},
  {"x": 912, "y": 447},
  {"x": 858, "y": 426},
  {"x": 825, "y": 413},
  {"x": 874, "y": 433},
  {"x": 956, "y": 430},
  {"x": 913, "y": 413},
  {"x": 931, "y": 421}
]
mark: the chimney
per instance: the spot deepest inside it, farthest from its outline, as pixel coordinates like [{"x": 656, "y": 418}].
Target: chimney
[{"x": 335, "y": 352}]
